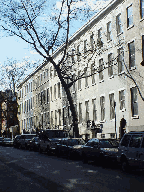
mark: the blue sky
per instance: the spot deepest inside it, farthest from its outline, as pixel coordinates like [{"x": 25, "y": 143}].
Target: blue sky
[{"x": 17, "y": 49}]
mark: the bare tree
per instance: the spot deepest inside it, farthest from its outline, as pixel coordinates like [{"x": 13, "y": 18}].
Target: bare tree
[
  {"x": 26, "y": 19},
  {"x": 12, "y": 72}
]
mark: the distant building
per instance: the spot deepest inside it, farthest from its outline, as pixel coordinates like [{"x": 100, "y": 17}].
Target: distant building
[
  {"x": 108, "y": 103},
  {"x": 8, "y": 115}
]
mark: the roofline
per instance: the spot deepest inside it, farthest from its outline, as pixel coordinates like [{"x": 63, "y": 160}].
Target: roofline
[{"x": 76, "y": 35}]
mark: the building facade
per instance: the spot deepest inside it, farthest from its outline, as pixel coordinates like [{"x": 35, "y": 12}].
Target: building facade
[{"x": 109, "y": 49}]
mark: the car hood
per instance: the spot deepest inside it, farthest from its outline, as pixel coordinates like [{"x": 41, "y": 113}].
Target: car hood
[
  {"x": 110, "y": 149},
  {"x": 77, "y": 146}
]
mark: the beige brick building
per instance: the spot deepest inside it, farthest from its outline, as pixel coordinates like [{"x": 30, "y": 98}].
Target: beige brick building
[{"x": 111, "y": 45}]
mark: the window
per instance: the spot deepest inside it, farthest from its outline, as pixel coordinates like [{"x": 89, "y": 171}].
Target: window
[
  {"x": 142, "y": 8},
  {"x": 59, "y": 95},
  {"x": 102, "y": 105},
  {"x": 110, "y": 65},
  {"x": 134, "y": 102},
  {"x": 101, "y": 70},
  {"x": 78, "y": 53},
  {"x": 85, "y": 46},
  {"x": 51, "y": 72},
  {"x": 135, "y": 141},
  {"x": 31, "y": 103},
  {"x": 129, "y": 16},
  {"x": 93, "y": 72},
  {"x": 109, "y": 37},
  {"x": 41, "y": 97},
  {"x": 69, "y": 116},
  {"x": 143, "y": 47},
  {"x": 51, "y": 118},
  {"x": 44, "y": 74},
  {"x": 55, "y": 72},
  {"x": 74, "y": 84},
  {"x": 55, "y": 91},
  {"x": 51, "y": 92},
  {"x": 125, "y": 141},
  {"x": 31, "y": 86},
  {"x": 44, "y": 96},
  {"x": 112, "y": 106},
  {"x": 41, "y": 78},
  {"x": 27, "y": 105},
  {"x": 87, "y": 110},
  {"x": 80, "y": 112},
  {"x": 118, "y": 24},
  {"x": 131, "y": 47},
  {"x": 92, "y": 42},
  {"x": 55, "y": 117},
  {"x": 100, "y": 34},
  {"x": 73, "y": 56},
  {"x": 122, "y": 99},
  {"x": 86, "y": 78},
  {"x": 79, "y": 81},
  {"x": 94, "y": 110},
  {"x": 120, "y": 60},
  {"x": 59, "y": 111}
]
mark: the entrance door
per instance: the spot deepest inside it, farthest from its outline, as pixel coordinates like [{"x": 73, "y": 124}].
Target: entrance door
[{"x": 122, "y": 127}]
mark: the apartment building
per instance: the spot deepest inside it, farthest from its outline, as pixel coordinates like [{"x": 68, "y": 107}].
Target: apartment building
[{"x": 109, "y": 102}]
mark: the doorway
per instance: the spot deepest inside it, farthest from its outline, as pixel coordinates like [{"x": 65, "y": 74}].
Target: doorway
[{"x": 122, "y": 127}]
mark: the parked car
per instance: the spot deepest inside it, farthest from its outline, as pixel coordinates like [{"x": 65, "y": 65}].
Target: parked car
[
  {"x": 16, "y": 141},
  {"x": 100, "y": 150},
  {"x": 70, "y": 147},
  {"x": 34, "y": 144},
  {"x": 1, "y": 140},
  {"x": 7, "y": 142},
  {"x": 131, "y": 151},
  {"x": 24, "y": 140},
  {"x": 48, "y": 140}
]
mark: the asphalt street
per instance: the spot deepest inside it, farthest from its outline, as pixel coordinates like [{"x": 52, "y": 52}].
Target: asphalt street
[{"x": 23, "y": 170}]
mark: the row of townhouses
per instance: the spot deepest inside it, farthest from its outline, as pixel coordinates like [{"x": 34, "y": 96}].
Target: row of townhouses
[{"x": 109, "y": 102}]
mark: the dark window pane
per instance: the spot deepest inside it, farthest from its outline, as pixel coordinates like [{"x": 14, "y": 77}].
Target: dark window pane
[
  {"x": 135, "y": 141},
  {"x": 125, "y": 140}
]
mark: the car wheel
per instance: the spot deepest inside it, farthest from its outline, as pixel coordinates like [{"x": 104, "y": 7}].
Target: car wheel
[
  {"x": 58, "y": 153},
  {"x": 48, "y": 151},
  {"x": 69, "y": 156},
  {"x": 84, "y": 158},
  {"x": 40, "y": 150},
  {"x": 125, "y": 165}
]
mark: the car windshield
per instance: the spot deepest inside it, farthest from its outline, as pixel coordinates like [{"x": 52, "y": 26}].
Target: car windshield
[
  {"x": 29, "y": 136},
  {"x": 114, "y": 143},
  {"x": 106, "y": 144},
  {"x": 76, "y": 142},
  {"x": 7, "y": 139}
]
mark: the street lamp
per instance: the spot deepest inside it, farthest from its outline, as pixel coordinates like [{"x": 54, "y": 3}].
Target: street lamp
[{"x": 115, "y": 119}]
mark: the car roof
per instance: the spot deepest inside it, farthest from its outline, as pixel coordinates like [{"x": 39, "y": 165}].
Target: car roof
[{"x": 135, "y": 132}]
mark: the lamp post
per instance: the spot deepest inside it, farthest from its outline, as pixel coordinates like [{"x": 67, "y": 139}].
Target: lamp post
[{"x": 115, "y": 120}]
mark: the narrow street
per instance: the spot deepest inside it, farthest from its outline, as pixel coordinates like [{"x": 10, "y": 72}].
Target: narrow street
[{"x": 24, "y": 171}]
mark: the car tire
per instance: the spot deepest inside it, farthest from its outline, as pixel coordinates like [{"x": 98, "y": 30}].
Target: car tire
[
  {"x": 84, "y": 159},
  {"x": 69, "y": 156},
  {"x": 124, "y": 165},
  {"x": 58, "y": 153},
  {"x": 48, "y": 151},
  {"x": 40, "y": 150}
]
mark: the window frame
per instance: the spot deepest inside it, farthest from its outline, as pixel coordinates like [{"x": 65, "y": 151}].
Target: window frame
[
  {"x": 134, "y": 102},
  {"x": 129, "y": 23},
  {"x": 131, "y": 55}
]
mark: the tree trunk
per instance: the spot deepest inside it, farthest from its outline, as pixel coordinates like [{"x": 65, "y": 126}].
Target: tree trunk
[{"x": 70, "y": 99}]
